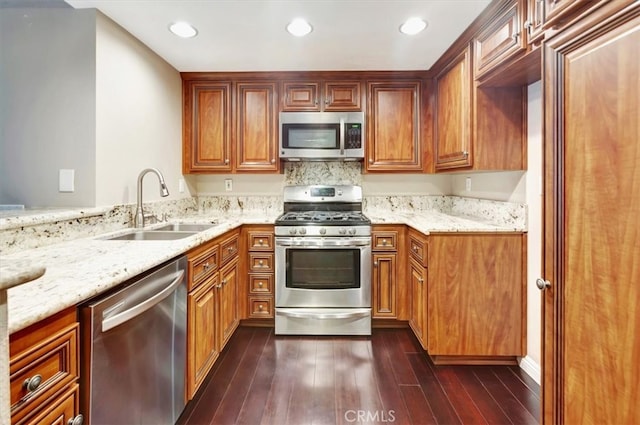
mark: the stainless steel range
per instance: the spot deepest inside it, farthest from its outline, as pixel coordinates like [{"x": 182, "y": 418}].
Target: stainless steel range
[{"x": 323, "y": 262}]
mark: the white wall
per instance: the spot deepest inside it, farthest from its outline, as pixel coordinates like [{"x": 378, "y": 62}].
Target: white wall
[
  {"x": 138, "y": 118},
  {"x": 532, "y": 363},
  {"x": 498, "y": 186},
  {"x": 47, "y": 106}
]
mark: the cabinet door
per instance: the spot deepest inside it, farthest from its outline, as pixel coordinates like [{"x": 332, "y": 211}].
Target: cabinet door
[
  {"x": 591, "y": 343},
  {"x": 394, "y": 129},
  {"x": 228, "y": 296},
  {"x": 384, "y": 285},
  {"x": 418, "y": 317},
  {"x": 300, "y": 96},
  {"x": 207, "y": 127},
  {"x": 501, "y": 40},
  {"x": 453, "y": 114},
  {"x": 342, "y": 96},
  {"x": 535, "y": 21},
  {"x": 475, "y": 295},
  {"x": 60, "y": 410},
  {"x": 256, "y": 140},
  {"x": 201, "y": 337}
]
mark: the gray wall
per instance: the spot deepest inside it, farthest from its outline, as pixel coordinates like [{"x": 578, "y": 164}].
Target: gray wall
[{"x": 47, "y": 105}]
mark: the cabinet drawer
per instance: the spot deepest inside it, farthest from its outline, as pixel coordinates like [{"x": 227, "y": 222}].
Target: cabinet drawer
[
  {"x": 203, "y": 266},
  {"x": 418, "y": 248},
  {"x": 261, "y": 284},
  {"x": 260, "y": 241},
  {"x": 228, "y": 249},
  {"x": 48, "y": 366},
  {"x": 385, "y": 241},
  {"x": 61, "y": 410},
  {"x": 261, "y": 308},
  {"x": 260, "y": 262}
]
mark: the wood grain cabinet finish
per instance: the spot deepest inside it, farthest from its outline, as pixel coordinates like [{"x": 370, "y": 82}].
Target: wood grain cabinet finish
[
  {"x": 202, "y": 346},
  {"x": 475, "y": 297},
  {"x": 207, "y": 127},
  {"x": 228, "y": 317},
  {"x": 394, "y": 128},
  {"x": 418, "y": 278},
  {"x": 260, "y": 271},
  {"x": 316, "y": 96},
  {"x": 591, "y": 343},
  {"x": 389, "y": 292},
  {"x": 503, "y": 39},
  {"x": 62, "y": 411},
  {"x": 453, "y": 114},
  {"x": 43, "y": 369},
  {"x": 256, "y": 136}
]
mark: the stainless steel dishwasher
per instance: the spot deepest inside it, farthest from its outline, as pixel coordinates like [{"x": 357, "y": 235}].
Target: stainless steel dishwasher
[{"x": 134, "y": 350}]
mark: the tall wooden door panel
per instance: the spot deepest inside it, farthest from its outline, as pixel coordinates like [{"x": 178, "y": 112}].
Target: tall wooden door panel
[
  {"x": 257, "y": 127},
  {"x": 228, "y": 294},
  {"x": 384, "y": 285},
  {"x": 592, "y": 237}
]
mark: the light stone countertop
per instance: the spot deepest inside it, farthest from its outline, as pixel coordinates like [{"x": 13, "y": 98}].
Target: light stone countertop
[{"x": 80, "y": 269}]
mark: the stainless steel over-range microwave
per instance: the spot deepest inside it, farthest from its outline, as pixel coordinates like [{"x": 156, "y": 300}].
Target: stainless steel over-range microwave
[{"x": 317, "y": 136}]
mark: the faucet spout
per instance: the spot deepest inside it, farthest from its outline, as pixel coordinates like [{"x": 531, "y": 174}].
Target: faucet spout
[{"x": 139, "y": 217}]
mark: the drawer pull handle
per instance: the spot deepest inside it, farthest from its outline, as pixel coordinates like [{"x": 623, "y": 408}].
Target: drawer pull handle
[
  {"x": 384, "y": 242},
  {"x": 206, "y": 266},
  {"x": 260, "y": 307},
  {"x": 260, "y": 284},
  {"x": 415, "y": 248},
  {"x": 32, "y": 383},
  {"x": 261, "y": 262},
  {"x": 78, "y": 420},
  {"x": 261, "y": 242}
]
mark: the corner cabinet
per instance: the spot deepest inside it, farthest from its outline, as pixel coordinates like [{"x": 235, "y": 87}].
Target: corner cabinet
[
  {"x": 475, "y": 297},
  {"x": 220, "y": 139},
  {"x": 44, "y": 371},
  {"x": 394, "y": 126}
]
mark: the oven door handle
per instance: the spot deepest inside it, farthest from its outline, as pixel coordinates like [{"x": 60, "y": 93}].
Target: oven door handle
[
  {"x": 321, "y": 316},
  {"x": 325, "y": 243}
]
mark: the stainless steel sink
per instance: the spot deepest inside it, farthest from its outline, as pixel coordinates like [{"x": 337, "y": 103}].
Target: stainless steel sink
[
  {"x": 184, "y": 227},
  {"x": 152, "y": 235}
]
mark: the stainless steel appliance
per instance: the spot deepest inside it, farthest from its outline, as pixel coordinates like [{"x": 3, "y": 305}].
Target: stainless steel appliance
[
  {"x": 315, "y": 136},
  {"x": 134, "y": 357},
  {"x": 323, "y": 262}
]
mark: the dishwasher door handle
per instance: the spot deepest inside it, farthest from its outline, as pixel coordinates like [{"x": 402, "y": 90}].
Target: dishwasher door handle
[{"x": 125, "y": 316}]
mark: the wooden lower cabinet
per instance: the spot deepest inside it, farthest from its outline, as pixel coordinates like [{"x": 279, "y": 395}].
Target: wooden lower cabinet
[
  {"x": 43, "y": 371},
  {"x": 388, "y": 287},
  {"x": 201, "y": 337},
  {"x": 259, "y": 289},
  {"x": 475, "y": 297},
  {"x": 418, "y": 318},
  {"x": 228, "y": 299}
]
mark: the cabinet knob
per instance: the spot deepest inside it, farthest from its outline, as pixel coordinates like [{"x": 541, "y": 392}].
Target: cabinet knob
[
  {"x": 32, "y": 383},
  {"x": 370, "y": 161},
  {"x": 261, "y": 263},
  {"x": 223, "y": 282},
  {"x": 465, "y": 153},
  {"x": 78, "y": 420},
  {"x": 206, "y": 266},
  {"x": 384, "y": 242},
  {"x": 420, "y": 280},
  {"x": 542, "y": 284},
  {"x": 260, "y": 284},
  {"x": 260, "y": 307},
  {"x": 375, "y": 264},
  {"x": 415, "y": 248},
  {"x": 273, "y": 160},
  {"x": 515, "y": 36},
  {"x": 261, "y": 242},
  {"x": 226, "y": 161}
]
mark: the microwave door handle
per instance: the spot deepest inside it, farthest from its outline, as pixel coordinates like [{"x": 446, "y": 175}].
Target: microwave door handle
[{"x": 341, "y": 136}]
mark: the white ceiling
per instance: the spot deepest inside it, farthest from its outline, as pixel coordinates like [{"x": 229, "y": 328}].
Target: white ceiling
[{"x": 249, "y": 35}]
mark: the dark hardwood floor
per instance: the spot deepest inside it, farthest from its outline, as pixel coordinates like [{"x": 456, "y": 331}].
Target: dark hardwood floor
[{"x": 261, "y": 378}]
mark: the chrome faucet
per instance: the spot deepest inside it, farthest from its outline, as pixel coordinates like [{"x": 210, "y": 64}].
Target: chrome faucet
[{"x": 140, "y": 215}]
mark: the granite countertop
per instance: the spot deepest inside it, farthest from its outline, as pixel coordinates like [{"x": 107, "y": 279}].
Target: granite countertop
[
  {"x": 80, "y": 269},
  {"x": 16, "y": 273}
]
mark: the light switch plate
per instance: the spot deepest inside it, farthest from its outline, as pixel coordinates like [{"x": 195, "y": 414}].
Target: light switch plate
[
  {"x": 66, "y": 181},
  {"x": 228, "y": 185}
]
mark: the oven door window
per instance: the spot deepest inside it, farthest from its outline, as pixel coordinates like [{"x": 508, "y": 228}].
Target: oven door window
[{"x": 323, "y": 268}]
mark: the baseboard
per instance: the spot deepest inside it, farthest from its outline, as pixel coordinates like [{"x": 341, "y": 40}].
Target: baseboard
[{"x": 531, "y": 368}]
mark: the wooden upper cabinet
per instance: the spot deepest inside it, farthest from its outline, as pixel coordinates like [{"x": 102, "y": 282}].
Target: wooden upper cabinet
[
  {"x": 453, "y": 114},
  {"x": 534, "y": 21},
  {"x": 558, "y": 13},
  {"x": 256, "y": 126},
  {"x": 206, "y": 127},
  {"x": 503, "y": 39},
  {"x": 394, "y": 126},
  {"x": 315, "y": 96}
]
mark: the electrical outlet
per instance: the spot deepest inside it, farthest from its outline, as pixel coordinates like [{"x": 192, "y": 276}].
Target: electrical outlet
[
  {"x": 228, "y": 185},
  {"x": 66, "y": 181},
  {"x": 181, "y": 185},
  {"x": 467, "y": 184}
]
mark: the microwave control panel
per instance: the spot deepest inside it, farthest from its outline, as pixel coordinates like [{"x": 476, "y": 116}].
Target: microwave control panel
[{"x": 353, "y": 136}]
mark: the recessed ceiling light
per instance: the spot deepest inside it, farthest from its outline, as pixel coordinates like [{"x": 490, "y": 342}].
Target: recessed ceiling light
[
  {"x": 299, "y": 27},
  {"x": 183, "y": 29},
  {"x": 413, "y": 26}
]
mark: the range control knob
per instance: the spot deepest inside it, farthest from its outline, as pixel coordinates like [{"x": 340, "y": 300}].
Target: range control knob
[
  {"x": 292, "y": 231},
  {"x": 323, "y": 231},
  {"x": 342, "y": 231},
  {"x": 302, "y": 231},
  {"x": 352, "y": 231}
]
